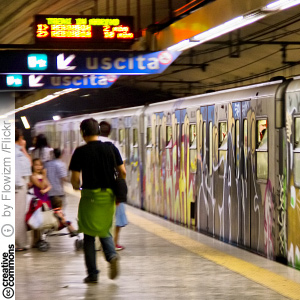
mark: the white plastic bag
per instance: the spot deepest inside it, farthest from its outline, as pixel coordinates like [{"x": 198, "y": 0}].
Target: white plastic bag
[
  {"x": 36, "y": 219},
  {"x": 43, "y": 218}
]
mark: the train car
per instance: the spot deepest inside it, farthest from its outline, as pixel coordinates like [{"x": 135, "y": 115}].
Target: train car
[
  {"x": 226, "y": 163},
  {"x": 126, "y": 129}
]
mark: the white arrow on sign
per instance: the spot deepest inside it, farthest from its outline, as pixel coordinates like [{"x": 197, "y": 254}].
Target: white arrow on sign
[
  {"x": 63, "y": 64},
  {"x": 34, "y": 81}
]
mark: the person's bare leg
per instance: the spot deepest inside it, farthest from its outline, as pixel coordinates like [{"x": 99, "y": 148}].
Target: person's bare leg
[{"x": 116, "y": 237}]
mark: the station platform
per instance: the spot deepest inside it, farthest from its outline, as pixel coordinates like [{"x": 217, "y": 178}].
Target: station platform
[{"x": 161, "y": 260}]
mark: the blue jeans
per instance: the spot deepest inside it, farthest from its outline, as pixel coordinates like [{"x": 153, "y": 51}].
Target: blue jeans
[{"x": 108, "y": 248}]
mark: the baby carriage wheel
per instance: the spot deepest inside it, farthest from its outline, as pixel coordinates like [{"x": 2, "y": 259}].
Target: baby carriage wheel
[
  {"x": 79, "y": 244},
  {"x": 43, "y": 246}
]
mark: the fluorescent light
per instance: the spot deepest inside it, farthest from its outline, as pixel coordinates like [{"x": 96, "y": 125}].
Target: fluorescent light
[
  {"x": 56, "y": 118},
  {"x": 25, "y": 122},
  {"x": 41, "y": 101},
  {"x": 178, "y": 46},
  {"x": 228, "y": 26},
  {"x": 280, "y": 5},
  {"x": 183, "y": 45}
]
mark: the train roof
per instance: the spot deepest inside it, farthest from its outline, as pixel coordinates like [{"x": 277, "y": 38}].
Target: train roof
[
  {"x": 234, "y": 94},
  {"x": 102, "y": 115}
]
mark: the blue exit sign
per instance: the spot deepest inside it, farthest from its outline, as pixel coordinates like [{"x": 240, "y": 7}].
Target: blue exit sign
[{"x": 85, "y": 62}]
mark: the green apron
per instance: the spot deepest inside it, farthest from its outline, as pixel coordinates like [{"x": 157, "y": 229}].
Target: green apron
[{"x": 95, "y": 212}]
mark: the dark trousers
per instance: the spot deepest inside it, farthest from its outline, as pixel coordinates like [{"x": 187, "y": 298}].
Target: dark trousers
[{"x": 108, "y": 248}]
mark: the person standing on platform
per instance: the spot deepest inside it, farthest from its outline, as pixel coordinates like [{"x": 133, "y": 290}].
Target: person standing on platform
[
  {"x": 95, "y": 163},
  {"x": 42, "y": 149},
  {"x": 57, "y": 173},
  {"x": 121, "y": 219},
  {"x": 22, "y": 173}
]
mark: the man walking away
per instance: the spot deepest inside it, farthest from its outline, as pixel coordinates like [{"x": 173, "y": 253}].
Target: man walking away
[{"x": 95, "y": 163}]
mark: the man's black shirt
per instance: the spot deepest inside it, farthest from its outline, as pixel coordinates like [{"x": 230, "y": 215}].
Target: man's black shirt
[{"x": 95, "y": 161}]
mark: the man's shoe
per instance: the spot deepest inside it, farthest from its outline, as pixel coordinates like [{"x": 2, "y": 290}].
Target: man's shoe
[
  {"x": 114, "y": 267},
  {"x": 91, "y": 279}
]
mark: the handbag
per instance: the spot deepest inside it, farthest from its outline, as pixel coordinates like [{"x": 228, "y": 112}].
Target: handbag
[{"x": 119, "y": 186}]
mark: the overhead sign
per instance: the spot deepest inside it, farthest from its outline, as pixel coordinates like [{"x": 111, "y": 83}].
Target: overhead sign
[
  {"x": 38, "y": 81},
  {"x": 87, "y": 29},
  {"x": 85, "y": 62}
]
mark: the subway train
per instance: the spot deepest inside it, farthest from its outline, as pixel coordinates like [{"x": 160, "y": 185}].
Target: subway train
[{"x": 225, "y": 163}]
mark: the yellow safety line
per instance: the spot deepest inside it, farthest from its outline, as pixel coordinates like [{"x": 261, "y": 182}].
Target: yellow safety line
[{"x": 275, "y": 282}]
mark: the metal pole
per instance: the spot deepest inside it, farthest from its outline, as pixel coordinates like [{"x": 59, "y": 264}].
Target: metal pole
[{"x": 153, "y": 12}]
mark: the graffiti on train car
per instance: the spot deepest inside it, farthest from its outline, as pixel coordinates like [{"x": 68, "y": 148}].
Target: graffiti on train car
[
  {"x": 293, "y": 191},
  {"x": 282, "y": 215},
  {"x": 221, "y": 168}
]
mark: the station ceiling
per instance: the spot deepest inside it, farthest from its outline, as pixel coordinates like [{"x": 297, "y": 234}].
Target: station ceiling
[{"x": 255, "y": 53}]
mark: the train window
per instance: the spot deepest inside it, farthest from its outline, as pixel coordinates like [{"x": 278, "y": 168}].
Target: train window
[
  {"x": 65, "y": 139},
  {"x": 193, "y": 149},
  {"x": 135, "y": 137},
  {"x": 149, "y": 137},
  {"x": 72, "y": 140},
  {"x": 193, "y": 136},
  {"x": 158, "y": 136},
  {"x": 135, "y": 144},
  {"x": 297, "y": 152},
  {"x": 121, "y": 136},
  {"x": 168, "y": 137},
  {"x": 113, "y": 134},
  {"x": 176, "y": 153},
  {"x": 81, "y": 141},
  {"x": 210, "y": 149},
  {"x": 58, "y": 139},
  {"x": 297, "y": 132},
  {"x": 204, "y": 141},
  {"x": 237, "y": 143},
  {"x": 262, "y": 149},
  {"x": 222, "y": 132},
  {"x": 127, "y": 143},
  {"x": 223, "y": 137},
  {"x": 121, "y": 141},
  {"x": 245, "y": 147}
]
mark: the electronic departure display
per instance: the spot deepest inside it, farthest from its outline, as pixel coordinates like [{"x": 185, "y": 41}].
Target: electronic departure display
[{"x": 90, "y": 29}]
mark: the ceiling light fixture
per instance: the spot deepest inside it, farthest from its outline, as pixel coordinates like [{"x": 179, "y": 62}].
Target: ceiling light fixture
[
  {"x": 280, "y": 5},
  {"x": 56, "y": 118},
  {"x": 25, "y": 122}
]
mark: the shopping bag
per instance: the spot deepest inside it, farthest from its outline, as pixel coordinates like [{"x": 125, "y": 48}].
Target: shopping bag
[{"x": 36, "y": 219}]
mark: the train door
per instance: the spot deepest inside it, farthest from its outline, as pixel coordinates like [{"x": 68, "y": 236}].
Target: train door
[
  {"x": 221, "y": 176},
  {"x": 263, "y": 179},
  {"x": 183, "y": 129},
  {"x": 73, "y": 137},
  {"x": 175, "y": 200},
  {"x": 245, "y": 169},
  {"x": 149, "y": 188},
  {"x": 290, "y": 180},
  {"x": 128, "y": 147},
  {"x": 191, "y": 167},
  {"x": 205, "y": 209},
  {"x": 135, "y": 195},
  {"x": 158, "y": 166},
  {"x": 169, "y": 195},
  {"x": 235, "y": 208}
]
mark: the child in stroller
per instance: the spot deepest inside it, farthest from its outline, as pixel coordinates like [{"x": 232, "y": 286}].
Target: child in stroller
[{"x": 58, "y": 213}]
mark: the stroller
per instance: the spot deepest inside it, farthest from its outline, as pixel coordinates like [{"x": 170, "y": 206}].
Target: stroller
[{"x": 40, "y": 217}]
